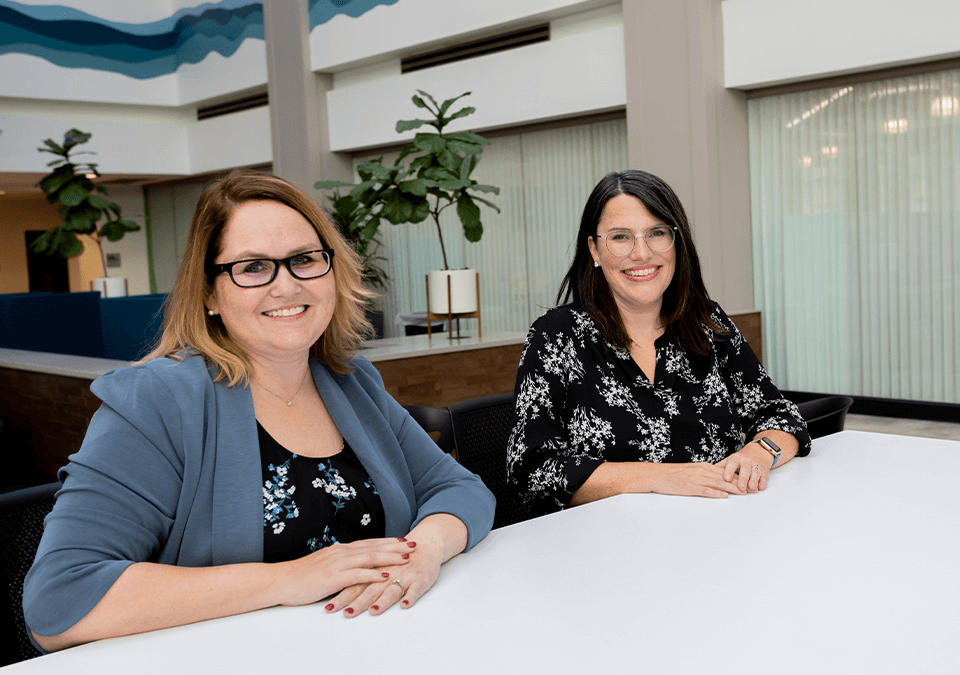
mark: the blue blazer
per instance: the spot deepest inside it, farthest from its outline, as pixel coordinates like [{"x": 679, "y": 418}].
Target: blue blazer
[{"x": 169, "y": 472}]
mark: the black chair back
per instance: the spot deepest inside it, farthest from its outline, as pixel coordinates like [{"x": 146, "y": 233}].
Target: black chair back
[
  {"x": 825, "y": 415},
  {"x": 21, "y": 525},
  {"x": 434, "y": 420},
  {"x": 481, "y": 429}
]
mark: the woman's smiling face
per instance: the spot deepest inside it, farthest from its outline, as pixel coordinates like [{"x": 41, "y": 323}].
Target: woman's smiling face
[
  {"x": 637, "y": 280},
  {"x": 283, "y": 319}
]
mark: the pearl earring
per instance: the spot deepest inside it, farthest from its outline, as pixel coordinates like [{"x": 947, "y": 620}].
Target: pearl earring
[
  {"x": 596, "y": 264},
  {"x": 210, "y": 312}
]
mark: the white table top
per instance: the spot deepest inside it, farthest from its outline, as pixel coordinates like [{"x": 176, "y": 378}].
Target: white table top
[
  {"x": 388, "y": 349},
  {"x": 847, "y": 563}
]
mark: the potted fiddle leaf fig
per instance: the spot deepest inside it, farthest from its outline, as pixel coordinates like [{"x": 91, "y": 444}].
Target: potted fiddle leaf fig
[
  {"x": 429, "y": 176},
  {"x": 84, "y": 212}
]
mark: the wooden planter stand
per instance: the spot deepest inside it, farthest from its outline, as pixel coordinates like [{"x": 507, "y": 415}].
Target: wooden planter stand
[{"x": 450, "y": 316}]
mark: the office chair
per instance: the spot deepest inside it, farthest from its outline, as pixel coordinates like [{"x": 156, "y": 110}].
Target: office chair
[
  {"x": 434, "y": 420},
  {"x": 481, "y": 429},
  {"x": 825, "y": 415},
  {"x": 21, "y": 525}
]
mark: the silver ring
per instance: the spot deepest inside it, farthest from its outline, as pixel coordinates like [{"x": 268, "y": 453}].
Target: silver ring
[
  {"x": 397, "y": 582},
  {"x": 757, "y": 467}
]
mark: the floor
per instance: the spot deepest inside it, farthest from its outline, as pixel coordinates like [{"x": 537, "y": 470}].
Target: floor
[{"x": 904, "y": 427}]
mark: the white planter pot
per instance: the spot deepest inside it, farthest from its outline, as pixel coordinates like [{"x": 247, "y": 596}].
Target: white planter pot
[
  {"x": 463, "y": 291},
  {"x": 110, "y": 287}
]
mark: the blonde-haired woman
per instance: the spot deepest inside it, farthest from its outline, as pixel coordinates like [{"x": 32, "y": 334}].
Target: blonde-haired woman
[{"x": 251, "y": 459}]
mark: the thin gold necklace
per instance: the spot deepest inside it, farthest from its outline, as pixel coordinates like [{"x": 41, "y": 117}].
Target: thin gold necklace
[{"x": 290, "y": 402}]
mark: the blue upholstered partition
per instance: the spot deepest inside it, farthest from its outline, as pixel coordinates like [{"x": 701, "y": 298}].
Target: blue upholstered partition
[
  {"x": 82, "y": 324},
  {"x": 64, "y": 323},
  {"x": 130, "y": 325}
]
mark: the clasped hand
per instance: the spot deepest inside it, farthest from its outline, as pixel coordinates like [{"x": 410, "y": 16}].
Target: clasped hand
[{"x": 742, "y": 472}]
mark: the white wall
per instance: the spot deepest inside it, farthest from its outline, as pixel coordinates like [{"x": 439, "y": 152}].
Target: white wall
[
  {"x": 127, "y": 139},
  {"x": 580, "y": 70},
  {"x": 770, "y": 42},
  {"x": 387, "y": 30},
  {"x": 229, "y": 141}
]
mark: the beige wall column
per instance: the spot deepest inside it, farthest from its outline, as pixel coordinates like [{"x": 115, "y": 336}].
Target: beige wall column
[
  {"x": 298, "y": 119},
  {"x": 683, "y": 125}
]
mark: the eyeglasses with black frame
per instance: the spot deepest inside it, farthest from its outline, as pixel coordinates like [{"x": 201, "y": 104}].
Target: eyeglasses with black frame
[
  {"x": 659, "y": 239},
  {"x": 254, "y": 272}
]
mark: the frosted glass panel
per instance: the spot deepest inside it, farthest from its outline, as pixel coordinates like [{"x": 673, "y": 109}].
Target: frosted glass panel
[{"x": 856, "y": 229}]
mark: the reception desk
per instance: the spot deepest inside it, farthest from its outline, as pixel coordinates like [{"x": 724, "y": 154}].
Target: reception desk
[{"x": 48, "y": 396}]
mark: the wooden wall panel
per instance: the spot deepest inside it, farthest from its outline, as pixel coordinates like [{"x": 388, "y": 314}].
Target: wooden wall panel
[
  {"x": 52, "y": 411},
  {"x": 440, "y": 380}
]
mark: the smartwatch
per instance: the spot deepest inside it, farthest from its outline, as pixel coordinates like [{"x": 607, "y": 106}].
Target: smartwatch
[{"x": 770, "y": 447}]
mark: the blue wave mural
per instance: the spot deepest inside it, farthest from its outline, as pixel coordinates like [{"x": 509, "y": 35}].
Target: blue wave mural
[{"x": 71, "y": 38}]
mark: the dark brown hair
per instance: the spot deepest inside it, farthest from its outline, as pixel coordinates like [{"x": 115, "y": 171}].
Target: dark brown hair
[
  {"x": 187, "y": 326},
  {"x": 687, "y": 308}
]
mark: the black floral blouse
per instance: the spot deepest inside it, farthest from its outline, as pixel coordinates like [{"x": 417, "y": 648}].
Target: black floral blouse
[
  {"x": 313, "y": 502},
  {"x": 580, "y": 402}
]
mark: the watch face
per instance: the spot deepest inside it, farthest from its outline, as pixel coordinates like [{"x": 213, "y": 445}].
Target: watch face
[{"x": 770, "y": 445}]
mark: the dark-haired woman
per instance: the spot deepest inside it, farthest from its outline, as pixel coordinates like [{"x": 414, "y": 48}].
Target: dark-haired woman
[
  {"x": 639, "y": 382},
  {"x": 252, "y": 459}
]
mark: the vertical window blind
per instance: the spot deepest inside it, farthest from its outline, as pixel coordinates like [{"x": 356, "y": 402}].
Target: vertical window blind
[
  {"x": 545, "y": 177},
  {"x": 855, "y": 196}
]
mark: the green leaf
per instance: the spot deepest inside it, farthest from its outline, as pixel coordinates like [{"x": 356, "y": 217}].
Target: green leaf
[
  {"x": 396, "y": 209},
  {"x": 463, "y": 112},
  {"x": 330, "y": 184},
  {"x": 449, "y": 102},
  {"x": 115, "y": 229},
  {"x": 357, "y": 192},
  {"x": 369, "y": 231},
  {"x": 467, "y": 137},
  {"x": 69, "y": 245},
  {"x": 464, "y": 148},
  {"x": 72, "y": 194},
  {"x": 454, "y": 185},
  {"x": 417, "y": 101},
  {"x": 82, "y": 219},
  {"x": 438, "y": 173},
  {"x": 426, "y": 95},
  {"x": 407, "y": 125},
  {"x": 46, "y": 242},
  {"x": 414, "y": 187},
  {"x": 420, "y": 212},
  {"x": 429, "y": 143},
  {"x": 448, "y": 160},
  {"x": 52, "y": 147},
  {"x": 485, "y": 188},
  {"x": 488, "y": 203},
  {"x": 466, "y": 167},
  {"x": 54, "y": 181},
  {"x": 98, "y": 202},
  {"x": 469, "y": 214}
]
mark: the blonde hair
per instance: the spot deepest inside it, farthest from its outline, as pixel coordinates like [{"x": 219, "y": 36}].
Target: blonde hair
[{"x": 187, "y": 326}]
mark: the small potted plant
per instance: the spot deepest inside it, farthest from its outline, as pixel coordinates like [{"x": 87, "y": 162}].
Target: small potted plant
[
  {"x": 83, "y": 211},
  {"x": 412, "y": 190}
]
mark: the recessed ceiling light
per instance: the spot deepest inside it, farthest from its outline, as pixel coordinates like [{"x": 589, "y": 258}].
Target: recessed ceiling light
[{"x": 91, "y": 176}]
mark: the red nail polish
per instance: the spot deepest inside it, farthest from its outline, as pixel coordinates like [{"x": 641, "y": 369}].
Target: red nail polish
[
  {"x": 411, "y": 544},
  {"x": 329, "y": 607},
  {"x": 405, "y": 603},
  {"x": 405, "y": 556},
  {"x": 400, "y": 539},
  {"x": 348, "y": 610},
  {"x": 385, "y": 575},
  {"x": 375, "y": 607}
]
